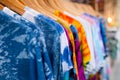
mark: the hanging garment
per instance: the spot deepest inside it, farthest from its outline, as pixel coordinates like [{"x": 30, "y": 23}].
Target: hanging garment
[
  {"x": 52, "y": 40},
  {"x": 78, "y": 53},
  {"x": 84, "y": 46},
  {"x": 87, "y": 27},
  {"x": 82, "y": 37},
  {"x": 98, "y": 46},
  {"x": 103, "y": 26},
  {"x": 88, "y": 31},
  {"x": 20, "y": 54},
  {"x": 65, "y": 60},
  {"x": 69, "y": 73},
  {"x": 74, "y": 73},
  {"x": 46, "y": 60}
]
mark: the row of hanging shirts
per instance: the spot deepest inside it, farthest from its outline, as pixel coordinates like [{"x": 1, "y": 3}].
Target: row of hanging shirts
[{"x": 36, "y": 44}]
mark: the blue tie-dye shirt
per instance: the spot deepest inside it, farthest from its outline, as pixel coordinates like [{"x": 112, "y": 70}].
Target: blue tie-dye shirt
[
  {"x": 65, "y": 53},
  {"x": 20, "y": 50},
  {"x": 46, "y": 60},
  {"x": 52, "y": 41}
]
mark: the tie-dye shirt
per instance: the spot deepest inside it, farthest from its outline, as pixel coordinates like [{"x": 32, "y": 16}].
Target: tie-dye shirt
[
  {"x": 46, "y": 60},
  {"x": 74, "y": 72},
  {"x": 88, "y": 29},
  {"x": 20, "y": 50},
  {"x": 52, "y": 40},
  {"x": 65, "y": 54},
  {"x": 98, "y": 46},
  {"x": 81, "y": 33},
  {"x": 78, "y": 53},
  {"x": 91, "y": 67}
]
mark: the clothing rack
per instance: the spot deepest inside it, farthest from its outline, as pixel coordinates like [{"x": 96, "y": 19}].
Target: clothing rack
[{"x": 51, "y": 40}]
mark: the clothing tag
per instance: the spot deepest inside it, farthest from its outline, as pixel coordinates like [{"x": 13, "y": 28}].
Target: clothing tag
[
  {"x": 9, "y": 12},
  {"x": 67, "y": 13},
  {"x": 31, "y": 10},
  {"x": 28, "y": 16}
]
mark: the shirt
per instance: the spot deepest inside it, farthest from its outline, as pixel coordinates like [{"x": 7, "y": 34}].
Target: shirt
[
  {"x": 87, "y": 27},
  {"x": 78, "y": 53},
  {"x": 103, "y": 26},
  {"x": 20, "y": 54},
  {"x": 46, "y": 60},
  {"x": 91, "y": 66},
  {"x": 99, "y": 49},
  {"x": 89, "y": 37},
  {"x": 74, "y": 72},
  {"x": 67, "y": 74},
  {"x": 52, "y": 40},
  {"x": 64, "y": 47},
  {"x": 82, "y": 36}
]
